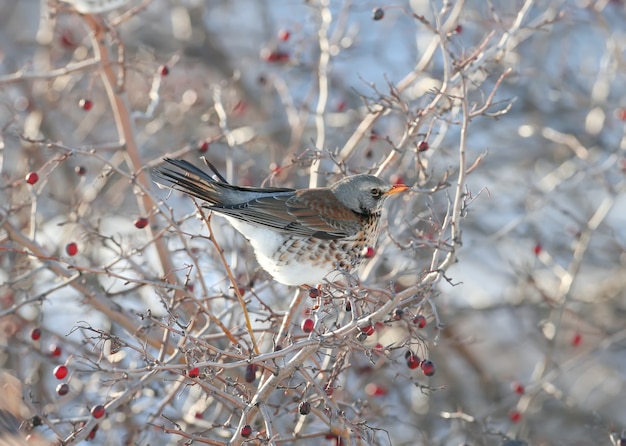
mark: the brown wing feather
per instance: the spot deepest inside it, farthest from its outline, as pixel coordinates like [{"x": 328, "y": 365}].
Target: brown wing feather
[{"x": 309, "y": 213}]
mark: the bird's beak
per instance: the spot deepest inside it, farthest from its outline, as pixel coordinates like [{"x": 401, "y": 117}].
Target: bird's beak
[{"x": 396, "y": 188}]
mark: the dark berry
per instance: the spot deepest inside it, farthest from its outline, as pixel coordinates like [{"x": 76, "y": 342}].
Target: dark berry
[
  {"x": 246, "y": 431},
  {"x": 304, "y": 408},
  {"x": 378, "y": 14},
  {"x": 250, "y": 374},
  {"x": 62, "y": 389}
]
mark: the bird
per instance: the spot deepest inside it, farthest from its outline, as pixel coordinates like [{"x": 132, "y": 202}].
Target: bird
[
  {"x": 301, "y": 237},
  {"x": 13, "y": 412}
]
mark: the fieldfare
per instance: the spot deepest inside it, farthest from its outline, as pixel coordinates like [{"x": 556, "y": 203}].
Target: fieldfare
[{"x": 300, "y": 237}]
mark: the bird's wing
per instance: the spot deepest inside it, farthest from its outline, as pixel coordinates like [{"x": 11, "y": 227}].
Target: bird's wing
[{"x": 309, "y": 213}]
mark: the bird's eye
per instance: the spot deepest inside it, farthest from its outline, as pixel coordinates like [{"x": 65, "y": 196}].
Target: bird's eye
[{"x": 375, "y": 192}]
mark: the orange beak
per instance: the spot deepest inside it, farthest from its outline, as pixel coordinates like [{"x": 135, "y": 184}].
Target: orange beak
[{"x": 396, "y": 188}]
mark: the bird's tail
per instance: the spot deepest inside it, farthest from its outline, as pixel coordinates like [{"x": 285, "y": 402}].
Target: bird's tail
[{"x": 192, "y": 181}]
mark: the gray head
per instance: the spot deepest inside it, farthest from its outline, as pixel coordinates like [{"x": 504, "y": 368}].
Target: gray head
[{"x": 364, "y": 193}]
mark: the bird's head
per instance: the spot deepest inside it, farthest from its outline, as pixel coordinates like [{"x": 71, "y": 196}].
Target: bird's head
[{"x": 364, "y": 194}]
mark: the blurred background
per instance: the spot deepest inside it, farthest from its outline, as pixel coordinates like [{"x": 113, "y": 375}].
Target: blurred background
[{"x": 508, "y": 117}]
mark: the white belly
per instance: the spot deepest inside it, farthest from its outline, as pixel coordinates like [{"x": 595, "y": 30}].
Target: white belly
[{"x": 266, "y": 243}]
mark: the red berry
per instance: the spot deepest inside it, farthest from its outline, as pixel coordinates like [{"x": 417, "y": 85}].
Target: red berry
[
  {"x": 246, "y": 431},
  {"x": 240, "y": 108},
  {"x": 80, "y": 170},
  {"x": 577, "y": 339},
  {"x": 369, "y": 330},
  {"x": 396, "y": 180},
  {"x": 458, "y": 29},
  {"x": 275, "y": 168},
  {"x": 92, "y": 434},
  {"x": 55, "y": 350},
  {"x": 250, "y": 374},
  {"x": 515, "y": 416},
  {"x": 314, "y": 293},
  {"x": 537, "y": 249},
  {"x": 203, "y": 146},
  {"x": 307, "y": 325},
  {"x": 423, "y": 146},
  {"x": 85, "y": 104},
  {"x": 412, "y": 360},
  {"x": 60, "y": 372},
  {"x": 368, "y": 252},
  {"x": 71, "y": 249},
  {"x": 428, "y": 367},
  {"x": 284, "y": 35},
  {"x": 378, "y": 14},
  {"x": 341, "y": 106},
  {"x": 163, "y": 70},
  {"x": 269, "y": 55},
  {"x": 193, "y": 373},
  {"x": 62, "y": 389},
  {"x": 67, "y": 39},
  {"x": 620, "y": 114},
  {"x": 98, "y": 411},
  {"x": 32, "y": 178},
  {"x": 329, "y": 389},
  {"x": 517, "y": 387},
  {"x": 420, "y": 321},
  {"x": 141, "y": 222},
  {"x": 35, "y": 334},
  {"x": 372, "y": 389},
  {"x": 304, "y": 408}
]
